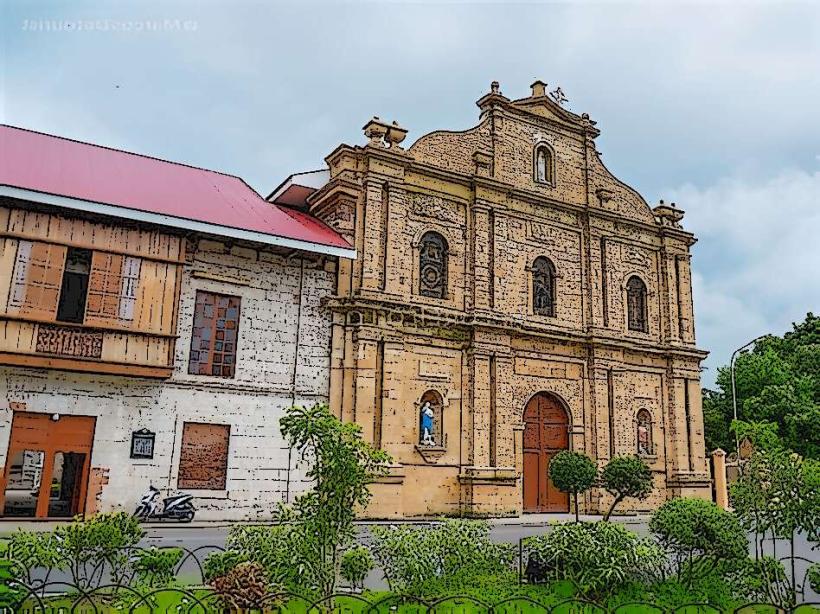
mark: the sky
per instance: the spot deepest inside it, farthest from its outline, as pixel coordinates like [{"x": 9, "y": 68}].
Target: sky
[{"x": 713, "y": 106}]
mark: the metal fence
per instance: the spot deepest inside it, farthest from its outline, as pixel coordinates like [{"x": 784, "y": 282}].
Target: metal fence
[
  {"x": 118, "y": 598},
  {"x": 88, "y": 589}
]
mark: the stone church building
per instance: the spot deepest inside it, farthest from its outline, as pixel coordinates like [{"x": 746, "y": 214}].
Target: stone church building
[
  {"x": 511, "y": 298},
  {"x": 476, "y": 302}
]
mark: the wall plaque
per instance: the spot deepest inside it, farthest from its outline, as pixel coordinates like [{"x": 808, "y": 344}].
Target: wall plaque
[{"x": 142, "y": 444}]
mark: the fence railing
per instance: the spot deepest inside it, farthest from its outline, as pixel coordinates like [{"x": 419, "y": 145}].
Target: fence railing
[
  {"x": 90, "y": 587},
  {"x": 203, "y": 600}
]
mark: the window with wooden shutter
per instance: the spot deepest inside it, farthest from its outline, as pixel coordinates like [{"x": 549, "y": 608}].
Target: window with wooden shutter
[
  {"x": 214, "y": 335},
  {"x": 130, "y": 282},
  {"x": 112, "y": 289},
  {"x": 17, "y": 296},
  {"x": 38, "y": 274},
  {"x": 203, "y": 458}
]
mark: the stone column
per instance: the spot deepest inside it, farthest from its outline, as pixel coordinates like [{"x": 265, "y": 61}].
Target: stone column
[
  {"x": 719, "y": 470},
  {"x": 481, "y": 247},
  {"x": 481, "y": 409}
]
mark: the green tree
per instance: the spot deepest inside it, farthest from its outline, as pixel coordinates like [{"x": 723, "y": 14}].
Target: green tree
[
  {"x": 777, "y": 494},
  {"x": 700, "y": 537},
  {"x": 626, "y": 476},
  {"x": 778, "y": 381},
  {"x": 573, "y": 473},
  {"x": 342, "y": 467}
]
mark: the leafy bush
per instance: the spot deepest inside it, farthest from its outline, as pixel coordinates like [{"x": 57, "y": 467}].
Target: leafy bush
[
  {"x": 700, "y": 537},
  {"x": 626, "y": 476},
  {"x": 453, "y": 550},
  {"x": 572, "y": 472},
  {"x": 155, "y": 567},
  {"x": 814, "y": 577},
  {"x": 85, "y": 549},
  {"x": 356, "y": 564},
  {"x": 597, "y": 557},
  {"x": 30, "y": 550},
  {"x": 104, "y": 537},
  {"x": 218, "y": 564},
  {"x": 244, "y": 587},
  {"x": 10, "y": 593},
  {"x": 762, "y": 580}
]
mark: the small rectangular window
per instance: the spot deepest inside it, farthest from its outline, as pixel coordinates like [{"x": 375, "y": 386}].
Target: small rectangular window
[
  {"x": 214, "y": 335},
  {"x": 203, "y": 458},
  {"x": 74, "y": 289}
]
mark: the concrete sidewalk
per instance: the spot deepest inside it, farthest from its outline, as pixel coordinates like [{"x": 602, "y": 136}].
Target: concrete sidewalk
[{"x": 527, "y": 520}]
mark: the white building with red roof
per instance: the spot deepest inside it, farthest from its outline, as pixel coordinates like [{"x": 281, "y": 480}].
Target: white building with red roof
[{"x": 155, "y": 320}]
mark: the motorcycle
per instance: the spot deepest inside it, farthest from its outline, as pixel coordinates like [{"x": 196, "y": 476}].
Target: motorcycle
[{"x": 175, "y": 507}]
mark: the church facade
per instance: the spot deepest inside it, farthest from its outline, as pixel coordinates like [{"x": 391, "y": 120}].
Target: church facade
[{"x": 510, "y": 298}]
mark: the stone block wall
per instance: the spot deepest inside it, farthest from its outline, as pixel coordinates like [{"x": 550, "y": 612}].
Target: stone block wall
[{"x": 280, "y": 311}]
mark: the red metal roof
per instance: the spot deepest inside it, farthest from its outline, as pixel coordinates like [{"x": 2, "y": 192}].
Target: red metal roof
[{"x": 149, "y": 187}]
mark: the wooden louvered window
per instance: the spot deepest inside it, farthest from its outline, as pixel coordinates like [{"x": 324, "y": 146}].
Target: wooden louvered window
[
  {"x": 37, "y": 277},
  {"x": 17, "y": 296},
  {"x": 636, "y": 304},
  {"x": 214, "y": 335},
  {"x": 203, "y": 457},
  {"x": 112, "y": 289}
]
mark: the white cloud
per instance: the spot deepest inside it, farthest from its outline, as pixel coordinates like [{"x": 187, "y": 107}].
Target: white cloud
[{"x": 757, "y": 264}]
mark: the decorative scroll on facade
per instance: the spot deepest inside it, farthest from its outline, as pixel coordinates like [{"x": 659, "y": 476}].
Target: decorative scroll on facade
[
  {"x": 433, "y": 265},
  {"x": 69, "y": 342}
]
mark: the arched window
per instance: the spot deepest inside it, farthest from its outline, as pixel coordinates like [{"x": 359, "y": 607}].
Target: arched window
[
  {"x": 543, "y": 287},
  {"x": 544, "y": 171},
  {"x": 636, "y": 304},
  {"x": 430, "y": 419},
  {"x": 644, "y": 433},
  {"x": 433, "y": 265}
]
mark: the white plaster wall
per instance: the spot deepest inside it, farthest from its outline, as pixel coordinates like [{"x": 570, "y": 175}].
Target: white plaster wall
[{"x": 251, "y": 403}]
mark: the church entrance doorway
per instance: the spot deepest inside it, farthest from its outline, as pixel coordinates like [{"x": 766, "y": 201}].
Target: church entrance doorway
[{"x": 546, "y": 432}]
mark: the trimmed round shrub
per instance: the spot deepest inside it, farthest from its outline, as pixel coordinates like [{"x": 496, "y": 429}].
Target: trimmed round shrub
[
  {"x": 573, "y": 473},
  {"x": 626, "y": 476}
]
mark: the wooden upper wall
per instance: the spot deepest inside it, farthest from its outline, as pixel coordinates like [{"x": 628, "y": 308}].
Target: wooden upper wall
[{"x": 129, "y": 322}]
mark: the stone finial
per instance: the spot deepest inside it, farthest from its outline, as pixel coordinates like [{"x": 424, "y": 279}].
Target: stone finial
[
  {"x": 375, "y": 130},
  {"x": 539, "y": 88},
  {"x": 494, "y": 87},
  {"x": 395, "y": 135},
  {"x": 668, "y": 215}
]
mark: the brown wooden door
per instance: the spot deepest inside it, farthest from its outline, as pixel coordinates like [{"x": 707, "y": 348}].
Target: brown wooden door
[
  {"x": 31, "y": 486},
  {"x": 546, "y": 432}
]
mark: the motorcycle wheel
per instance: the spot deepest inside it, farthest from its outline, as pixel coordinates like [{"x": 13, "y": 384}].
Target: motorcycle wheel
[{"x": 187, "y": 516}]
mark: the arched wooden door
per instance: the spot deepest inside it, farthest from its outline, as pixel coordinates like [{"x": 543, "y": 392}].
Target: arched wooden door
[{"x": 546, "y": 432}]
